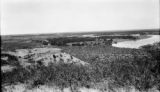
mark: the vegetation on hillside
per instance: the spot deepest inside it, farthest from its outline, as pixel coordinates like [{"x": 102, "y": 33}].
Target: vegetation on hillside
[
  {"x": 130, "y": 68},
  {"x": 154, "y": 50},
  {"x": 109, "y": 67}
]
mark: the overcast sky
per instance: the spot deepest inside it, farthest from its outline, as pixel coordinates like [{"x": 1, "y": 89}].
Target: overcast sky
[{"x": 52, "y": 16}]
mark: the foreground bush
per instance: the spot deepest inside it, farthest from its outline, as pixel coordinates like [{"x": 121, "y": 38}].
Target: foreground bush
[
  {"x": 61, "y": 75},
  {"x": 154, "y": 51},
  {"x": 123, "y": 72}
]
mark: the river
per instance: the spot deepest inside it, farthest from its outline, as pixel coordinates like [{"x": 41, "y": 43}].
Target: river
[{"x": 138, "y": 43}]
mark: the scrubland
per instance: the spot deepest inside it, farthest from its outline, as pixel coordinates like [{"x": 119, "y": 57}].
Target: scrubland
[{"x": 111, "y": 70}]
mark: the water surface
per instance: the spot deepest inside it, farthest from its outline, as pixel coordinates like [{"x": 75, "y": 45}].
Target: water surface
[{"x": 138, "y": 43}]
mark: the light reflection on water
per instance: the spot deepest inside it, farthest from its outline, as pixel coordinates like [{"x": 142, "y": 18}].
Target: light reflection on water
[{"x": 138, "y": 43}]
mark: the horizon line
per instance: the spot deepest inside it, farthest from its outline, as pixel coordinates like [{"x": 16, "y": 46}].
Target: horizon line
[{"x": 121, "y": 30}]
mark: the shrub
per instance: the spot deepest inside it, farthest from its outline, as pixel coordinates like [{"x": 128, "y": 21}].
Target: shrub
[{"x": 124, "y": 72}]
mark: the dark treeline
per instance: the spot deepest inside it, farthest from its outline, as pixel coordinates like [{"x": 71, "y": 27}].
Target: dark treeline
[
  {"x": 118, "y": 37},
  {"x": 63, "y": 41}
]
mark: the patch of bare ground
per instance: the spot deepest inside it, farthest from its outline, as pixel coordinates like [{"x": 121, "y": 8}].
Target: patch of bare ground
[
  {"x": 45, "y": 88},
  {"x": 27, "y": 57}
]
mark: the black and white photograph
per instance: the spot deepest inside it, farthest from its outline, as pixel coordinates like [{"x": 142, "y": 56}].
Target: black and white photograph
[{"x": 80, "y": 45}]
